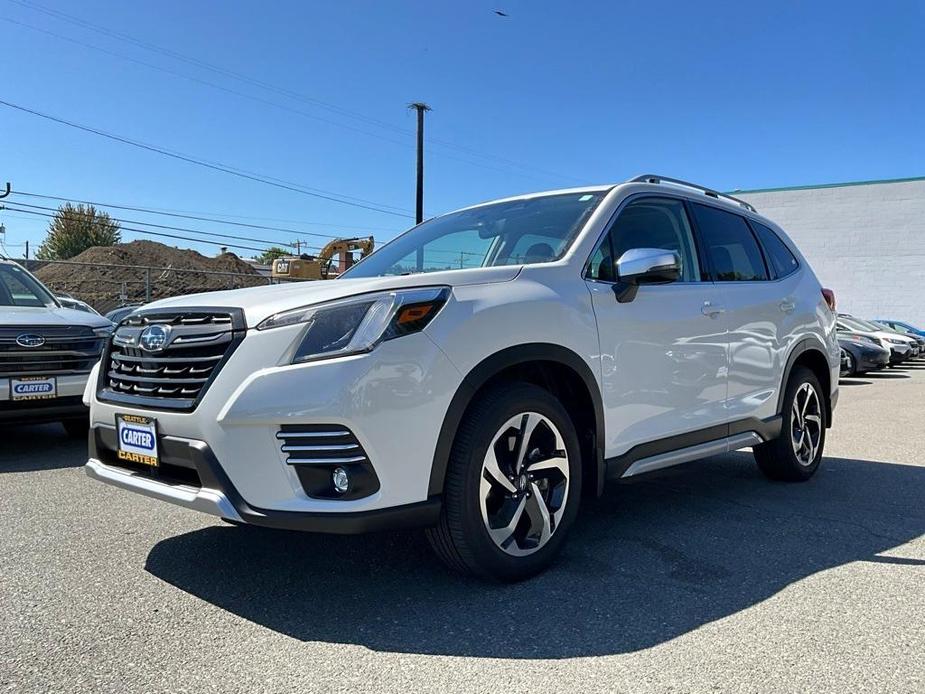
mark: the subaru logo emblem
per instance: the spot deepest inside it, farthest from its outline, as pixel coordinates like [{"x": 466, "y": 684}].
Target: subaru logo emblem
[
  {"x": 27, "y": 340},
  {"x": 154, "y": 338}
]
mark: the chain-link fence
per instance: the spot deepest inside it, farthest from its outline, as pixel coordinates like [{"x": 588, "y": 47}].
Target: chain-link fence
[{"x": 106, "y": 286}]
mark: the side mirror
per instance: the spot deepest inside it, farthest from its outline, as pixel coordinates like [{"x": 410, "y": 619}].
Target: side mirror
[{"x": 644, "y": 266}]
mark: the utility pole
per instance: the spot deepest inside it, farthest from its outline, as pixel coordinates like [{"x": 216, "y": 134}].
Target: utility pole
[{"x": 420, "y": 107}]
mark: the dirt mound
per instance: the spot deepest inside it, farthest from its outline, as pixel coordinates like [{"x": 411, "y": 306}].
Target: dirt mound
[{"x": 171, "y": 272}]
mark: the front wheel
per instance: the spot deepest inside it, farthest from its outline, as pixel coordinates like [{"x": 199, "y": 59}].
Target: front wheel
[
  {"x": 852, "y": 369},
  {"x": 513, "y": 485},
  {"x": 794, "y": 456}
]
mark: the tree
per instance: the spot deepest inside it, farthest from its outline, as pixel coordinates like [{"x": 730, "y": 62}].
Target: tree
[
  {"x": 74, "y": 229},
  {"x": 271, "y": 254}
]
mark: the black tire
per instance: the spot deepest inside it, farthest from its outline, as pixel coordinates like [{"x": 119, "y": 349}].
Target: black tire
[
  {"x": 461, "y": 539},
  {"x": 852, "y": 365},
  {"x": 777, "y": 458},
  {"x": 77, "y": 428}
]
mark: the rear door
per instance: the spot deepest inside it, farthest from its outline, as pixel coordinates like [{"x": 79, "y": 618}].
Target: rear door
[
  {"x": 760, "y": 310},
  {"x": 663, "y": 354}
]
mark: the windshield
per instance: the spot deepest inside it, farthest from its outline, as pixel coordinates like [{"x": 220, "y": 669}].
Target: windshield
[
  {"x": 866, "y": 326},
  {"x": 517, "y": 232},
  {"x": 19, "y": 288}
]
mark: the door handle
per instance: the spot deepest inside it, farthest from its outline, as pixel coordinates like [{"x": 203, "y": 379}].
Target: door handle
[
  {"x": 711, "y": 310},
  {"x": 787, "y": 306}
]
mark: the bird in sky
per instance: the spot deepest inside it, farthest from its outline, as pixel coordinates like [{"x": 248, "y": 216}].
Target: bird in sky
[{"x": 501, "y": 14}]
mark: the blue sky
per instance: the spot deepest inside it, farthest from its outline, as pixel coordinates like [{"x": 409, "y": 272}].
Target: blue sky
[{"x": 733, "y": 95}]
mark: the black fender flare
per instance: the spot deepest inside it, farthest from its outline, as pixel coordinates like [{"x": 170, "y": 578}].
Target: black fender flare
[
  {"x": 489, "y": 367},
  {"x": 807, "y": 344}
]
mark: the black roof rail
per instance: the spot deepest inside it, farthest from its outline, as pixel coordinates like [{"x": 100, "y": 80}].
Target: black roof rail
[{"x": 655, "y": 178}]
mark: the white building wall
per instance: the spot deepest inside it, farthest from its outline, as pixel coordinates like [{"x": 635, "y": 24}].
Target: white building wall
[{"x": 866, "y": 241}]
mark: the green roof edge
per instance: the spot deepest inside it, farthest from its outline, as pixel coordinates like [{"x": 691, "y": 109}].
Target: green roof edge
[{"x": 739, "y": 191}]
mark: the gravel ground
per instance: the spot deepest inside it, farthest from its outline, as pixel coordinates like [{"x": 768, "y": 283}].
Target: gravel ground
[{"x": 706, "y": 578}]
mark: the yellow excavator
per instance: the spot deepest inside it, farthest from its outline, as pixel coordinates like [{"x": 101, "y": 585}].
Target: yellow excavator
[{"x": 320, "y": 267}]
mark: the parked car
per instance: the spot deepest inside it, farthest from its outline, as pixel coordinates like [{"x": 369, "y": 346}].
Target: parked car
[
  {"x": 46, "y": 353},
  {"x": 68, "y": 301},
  {"x": 901, "y": 347},
  {"x": 588, "y": 334},
  {"x": 905, "y": 328},
  {"x": 864, "y": 352},
  {"x": 117, "y": 314},
  {"x": 918, "y": 339}
]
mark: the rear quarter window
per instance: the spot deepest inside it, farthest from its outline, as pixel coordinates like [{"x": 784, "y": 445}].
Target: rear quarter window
[{"x": 780, "y": 258}]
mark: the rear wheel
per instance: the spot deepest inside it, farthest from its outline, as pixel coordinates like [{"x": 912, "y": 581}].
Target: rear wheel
[
  {"x": 794, "y": 456},
  {"x": 513, "y": 485}
]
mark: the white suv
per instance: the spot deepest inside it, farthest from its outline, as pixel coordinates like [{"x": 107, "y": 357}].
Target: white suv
[
  {"x": 46, "y": 353},
  {"x": 480, "y": 373}
]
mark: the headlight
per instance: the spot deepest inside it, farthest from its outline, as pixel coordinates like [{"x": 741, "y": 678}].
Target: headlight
[
  {"x": 896, "y": 341},
  {"x": 358, "y": 324}
]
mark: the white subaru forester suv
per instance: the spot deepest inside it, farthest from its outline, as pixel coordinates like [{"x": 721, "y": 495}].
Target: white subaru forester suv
[{"x": 480, "y": 373}]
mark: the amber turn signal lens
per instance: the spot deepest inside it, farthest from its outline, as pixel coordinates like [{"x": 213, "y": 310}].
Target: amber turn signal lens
[{"x": 411, "y": 314}]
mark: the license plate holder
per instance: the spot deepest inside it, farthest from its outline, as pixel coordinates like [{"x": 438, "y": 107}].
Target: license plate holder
[
  {"x": 137, "y": 439},
  {"x": 33, "y": 388}
]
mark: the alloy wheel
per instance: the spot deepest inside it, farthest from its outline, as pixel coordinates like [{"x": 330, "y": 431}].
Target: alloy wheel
[
  {"x": 524, "y": 483},
  {"x": 806, "y": 424}
]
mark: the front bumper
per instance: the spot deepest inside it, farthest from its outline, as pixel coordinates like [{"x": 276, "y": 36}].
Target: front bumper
[
  {"x": 191, "y": 476},
  {"x": 899, "y": 353},
  {"x": 66, "y": 405},
  {"x": 872, "y": 359},
  {"x": 393, "y": 400}
]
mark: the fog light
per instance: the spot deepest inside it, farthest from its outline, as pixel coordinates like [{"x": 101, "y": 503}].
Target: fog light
[{"x": 341, "y": 480}]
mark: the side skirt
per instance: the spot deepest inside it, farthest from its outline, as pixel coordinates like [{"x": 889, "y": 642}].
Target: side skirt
[{"x": 683, "y": 448}]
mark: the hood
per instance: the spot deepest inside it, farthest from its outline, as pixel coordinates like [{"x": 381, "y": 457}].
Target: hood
[
  {"x": 42, "y": 315},
  {"x": 847, "y": 336},
  {"x": 889, "y": 335},
  {"x": 259, "y": 303}
]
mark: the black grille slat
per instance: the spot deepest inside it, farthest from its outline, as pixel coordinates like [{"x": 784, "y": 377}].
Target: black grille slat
[
  {"x": 176, "y": 377},
  {"x": 320, "y": 444},
  {"x": 68, "y": 349}
]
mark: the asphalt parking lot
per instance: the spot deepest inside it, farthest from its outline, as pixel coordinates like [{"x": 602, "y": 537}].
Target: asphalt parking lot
[{"x": 706, "y": 578}]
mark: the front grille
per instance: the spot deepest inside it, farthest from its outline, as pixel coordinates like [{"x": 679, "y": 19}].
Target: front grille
[
  {"x": 175, "y": 374},
  {"x": 67, "y": 349},
  {"x": 320, "y": 444}
]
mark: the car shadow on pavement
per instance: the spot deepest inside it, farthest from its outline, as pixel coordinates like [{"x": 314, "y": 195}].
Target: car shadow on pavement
[
  {"x": 887, "y": 374},
  {"x": 853, "y": 381},
  {"x": 647, "y": 563},
  {"x": 35, "y": 447}
]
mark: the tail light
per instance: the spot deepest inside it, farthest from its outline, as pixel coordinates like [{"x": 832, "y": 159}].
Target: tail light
[{"x": 829, "y": 297}]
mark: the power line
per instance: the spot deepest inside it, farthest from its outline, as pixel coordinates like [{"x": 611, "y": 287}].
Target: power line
[
  {"x": 146, "y": 45},
  {"x": 268, "y": 102},
  {"x": 301, "y": 244},
  {"x": 240, "y": 173},
  {"x": 198, "y": 80},
  {"x": 183, "y": 215},
  {"x": 170, "y": 228},
  {"x": 157, "y": 233}
]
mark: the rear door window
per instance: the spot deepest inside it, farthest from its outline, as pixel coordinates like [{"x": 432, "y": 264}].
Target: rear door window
[{"x": 731, "y": 248}]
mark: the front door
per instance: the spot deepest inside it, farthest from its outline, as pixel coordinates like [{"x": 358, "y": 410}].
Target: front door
[{"x": 664, "y": 354}]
